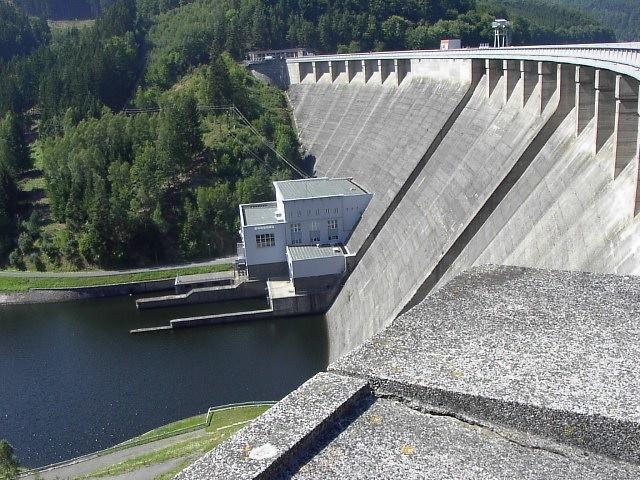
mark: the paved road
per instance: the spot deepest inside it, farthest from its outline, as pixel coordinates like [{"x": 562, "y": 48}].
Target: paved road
[
  {"x": 149, "y": 473},
  {"x": 102, "y": 273},
  {"x": 91, "y": 464}
]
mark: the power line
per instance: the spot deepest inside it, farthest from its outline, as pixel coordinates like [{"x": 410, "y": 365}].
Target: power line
[{"x": 232, "y": 109}]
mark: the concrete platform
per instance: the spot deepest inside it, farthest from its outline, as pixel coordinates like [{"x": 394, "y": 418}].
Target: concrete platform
[{"x": 504, "y": 373}]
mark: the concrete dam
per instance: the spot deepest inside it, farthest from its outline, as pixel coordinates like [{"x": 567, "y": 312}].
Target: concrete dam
[{"x": 522, "y": 157}]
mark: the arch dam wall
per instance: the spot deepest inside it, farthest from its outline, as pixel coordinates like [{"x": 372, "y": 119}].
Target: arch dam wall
[{"x": 519, "y": 156}]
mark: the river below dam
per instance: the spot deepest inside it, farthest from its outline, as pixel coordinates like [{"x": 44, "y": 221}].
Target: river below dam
[{"x": 74, "y": 381}]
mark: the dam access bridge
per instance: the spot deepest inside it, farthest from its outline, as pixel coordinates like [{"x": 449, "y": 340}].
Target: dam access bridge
[{"x": 490, "y": 326}]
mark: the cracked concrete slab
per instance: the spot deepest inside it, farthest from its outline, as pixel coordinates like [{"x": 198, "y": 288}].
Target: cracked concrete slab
[
  {"x": 391, "y": 440},
  {"x": 551, "y": 353}
]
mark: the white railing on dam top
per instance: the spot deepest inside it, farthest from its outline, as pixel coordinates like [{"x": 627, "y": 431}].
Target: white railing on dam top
[{"x": 623, "y": 58}]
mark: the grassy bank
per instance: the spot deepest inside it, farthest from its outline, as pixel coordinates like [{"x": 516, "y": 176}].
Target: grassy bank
[
  {"x": 222, "y": 425},
  {"x": 24, "y": 284}
]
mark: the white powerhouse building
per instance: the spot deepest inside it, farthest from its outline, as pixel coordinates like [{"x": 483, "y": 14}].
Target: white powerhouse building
[{"x": 297, "y": 234}]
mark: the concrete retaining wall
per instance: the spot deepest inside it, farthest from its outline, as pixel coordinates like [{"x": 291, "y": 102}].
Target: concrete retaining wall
[{"x": 242, "y": 291}]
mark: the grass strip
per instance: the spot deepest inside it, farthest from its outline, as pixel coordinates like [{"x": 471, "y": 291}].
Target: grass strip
[
  {"x": 176, "y": 470},
  {"x": 24, "y": 284},
  {"x": 233, "y": 418},
  {"x": 198, "y": 445}
]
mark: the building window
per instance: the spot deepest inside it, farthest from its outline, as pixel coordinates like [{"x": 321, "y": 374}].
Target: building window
[
  {"x": 335, "y": 210},
  {"x": 299, "y": 213},
  {"x": 333, "y": 229},
  {"x": 266, "y": 240},
  {"x": 327, "y": 210},
  {"x": 314, "y": 233},
  {"x": 296, "y": 241},
  {"x": 296, "y": 227}
]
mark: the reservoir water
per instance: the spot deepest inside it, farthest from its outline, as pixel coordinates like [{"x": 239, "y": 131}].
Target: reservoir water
[{"x": 74, "y": 381}]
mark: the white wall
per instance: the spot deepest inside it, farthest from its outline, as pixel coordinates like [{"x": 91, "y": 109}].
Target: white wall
[
  {"x": 317, "y": 267},
  {"x": 346, "y": 210},
  {"x": 261, "y": 256}
]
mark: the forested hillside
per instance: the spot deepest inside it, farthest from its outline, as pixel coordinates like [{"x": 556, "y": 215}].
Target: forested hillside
[
  {"x": 99, "y": 186},
  {"x": 622, "y": 16},
  {"x": 63, "y": 9}
]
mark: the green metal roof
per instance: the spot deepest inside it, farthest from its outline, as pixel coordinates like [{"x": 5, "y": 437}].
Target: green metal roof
[
  {"x": 260, "y": 214},
  {"x": 309, "y": 252},
  {"x": 317, "y": 187}
]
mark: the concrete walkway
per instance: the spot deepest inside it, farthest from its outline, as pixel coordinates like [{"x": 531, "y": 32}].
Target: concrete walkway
[
  {"x": 103, "y": 273},
  {"x": 90, "y": 463}
]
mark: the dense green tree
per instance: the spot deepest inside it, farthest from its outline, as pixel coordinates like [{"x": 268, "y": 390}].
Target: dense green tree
[
  {"x": 164, "y": 185},
  {"x": 8, "y": 199},
  {"x": 9, "y": 466},
  {"x": 14, "y": 154},
  {"x": 18, "y": 34}
]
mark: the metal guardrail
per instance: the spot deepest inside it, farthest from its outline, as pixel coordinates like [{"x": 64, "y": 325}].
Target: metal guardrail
[{"x": 222, "y": 408}]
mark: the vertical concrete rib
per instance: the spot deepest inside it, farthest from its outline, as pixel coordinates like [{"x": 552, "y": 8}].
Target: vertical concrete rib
[
  {"x": 512, "y": 76},
  {"x": 626, "y": 124},
  {"x": 605, "y": 107},
  {"x": 548, "y": 79},
  {"x": 566, "y": 100},
  {"x": 529, "y": 74},
  {"x": 477, "y": 70},
  {"x": 585, "y": 97},
  {"x": 350, "y": 70},
  {"x": 367, "y": 68},
  {"x": 494, "y": 72}
]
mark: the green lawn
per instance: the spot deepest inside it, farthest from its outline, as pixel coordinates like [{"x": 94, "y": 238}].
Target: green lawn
[
  {"x": 188, "y": 448},
  {"x": 23, "y": 284},
  {"x": 223, "y": 424}
]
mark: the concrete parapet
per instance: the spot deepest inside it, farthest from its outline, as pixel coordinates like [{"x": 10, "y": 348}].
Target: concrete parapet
[
  {"x": 605, "y": 107},
  {"x": 585, "y": 97},
  {"x": 625, "y": 147},
  {"x": 505, "y": 371},
  {"x": 529, "y": 75}
]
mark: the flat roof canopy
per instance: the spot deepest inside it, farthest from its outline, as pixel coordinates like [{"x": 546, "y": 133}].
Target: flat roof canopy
[
  {"x": 259, "y": 213},
  {"x": 318, "y": 187},
  {"x": 310, "y": 252}
]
